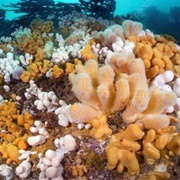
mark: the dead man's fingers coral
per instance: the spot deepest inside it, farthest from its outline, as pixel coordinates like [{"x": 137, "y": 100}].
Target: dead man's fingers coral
[
  {"x": 79, "y": 112},
  {"x": 154, "y": 121},
  {"x": 84, "y": 90},
  {"x": 122, "y": 94},
  {"x": 131, "y": 28},
  {"x": 160, "y": 100}
]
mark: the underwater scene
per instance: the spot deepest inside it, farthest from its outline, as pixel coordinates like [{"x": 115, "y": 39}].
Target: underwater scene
[{"x": 90, "y": 90}]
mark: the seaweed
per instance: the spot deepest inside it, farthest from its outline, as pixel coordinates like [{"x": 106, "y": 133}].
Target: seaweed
[
  {"x": 97, "y": 8},
  {"x": 41, "y": 8},
  {"x": 31, "y": 9},
  {"x": 2, "y": 14}
]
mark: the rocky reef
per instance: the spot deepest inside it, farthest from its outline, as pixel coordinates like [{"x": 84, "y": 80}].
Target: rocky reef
[{"x": 88, "y": 99}]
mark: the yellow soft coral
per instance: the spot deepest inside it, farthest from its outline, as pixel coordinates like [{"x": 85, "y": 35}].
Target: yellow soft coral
[
  {"x": 87, "y": 53},
  {"x": 157, "y": 141},
  {"x": 121, "y": 150},
  {"x": 36, "y": 70},
  {"x": 10, "y": 116},
  {"x": 145, "y": 52},
  {"x": 69, "y": 68},
  {"x": 149, "y": 150},
  {"x": 26, "y": 76},
  {"x": 100, "y": 128},
  {"x": 25, "y": 120},
  {"x": 159, "y": 173},
  {"x": 154, "y": 175},
  {"x": 57, "y": 71},
  {"x": 164, "y": 136},
  {"x": 8, "y": 111},
  {"x": 14, "y": 129},
  {"x": 78, "y": 169},
  {"x": 10, "y": 152},
  {"x": 174, "y": 145},
  {"x": 122, "y": 159},
  {"x": 28, "y": 42},
  {"x": 39, "y": 54},
  {"x": 154, "y": 145},
  {"x": 127, "y": 139},
  {"x": 21, "y": 142},
  {"x": 17, "y": 125},
  {"x": 132, "y": 132},
  {"x": 157, "y": 56},
  {"x": 37, "y": 25},
  {"x": 7, "y": 137}
]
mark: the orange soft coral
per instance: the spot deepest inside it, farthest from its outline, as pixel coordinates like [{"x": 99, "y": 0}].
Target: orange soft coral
[
  {"x": 25, "y": 120},
  {"x": 157, "y": 141},
  {"x": 98, "y": 89},
  {"x": 121, "y": 150},
  {"x": 36, "y": 70},
  {"x": 21, "y": 142},
  {"x": 71, "y": 66},
  {"x": 37, "y": 25},
  {"x": 94, "y": 87},
  {"x": 17, "y": 125},
  {"x": 57, "y": 71},
  {"x": 157, "y": 55},
  {"x": 149, "y": 150},
  {"x": 122, "y": 159},
  {"x": 152, "y": 116},
  {"x": 174, "y": 145},
  {"x": 10, "y": 152},
  {"x": 100, "y": 128},
  {"x": 8, "y": 111},
  {"x": 87, "y": 53}
]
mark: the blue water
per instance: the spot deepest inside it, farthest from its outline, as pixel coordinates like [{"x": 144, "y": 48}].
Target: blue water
[
  {"x": 122, "y": 6},
  {"x": 154, "y": 14}
]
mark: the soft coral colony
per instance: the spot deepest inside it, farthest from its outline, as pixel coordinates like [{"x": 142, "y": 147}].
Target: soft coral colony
[{"x": 112, "y": 69}]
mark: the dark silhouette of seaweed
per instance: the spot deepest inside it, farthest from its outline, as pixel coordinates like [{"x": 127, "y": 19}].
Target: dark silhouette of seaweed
[
  {"x": 99, "y": 8},
  {"x": 43, "y": 9}
]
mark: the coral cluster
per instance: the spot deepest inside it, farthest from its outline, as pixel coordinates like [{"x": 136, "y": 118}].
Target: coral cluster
[
  {"x": 102, "y": 93},
  {"x": 156, "y": 54},
  {"x": 16, "y": 131},
  {"x": 124, "y": 146},
  {"x": 36, "y": 70},
  {"x": 121, "y": 150},
  {"x": 97, "y": 97}
]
